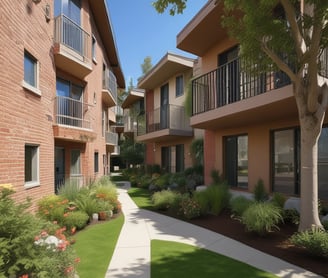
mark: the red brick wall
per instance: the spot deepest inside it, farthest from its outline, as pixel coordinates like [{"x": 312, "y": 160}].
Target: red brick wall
[{"x": 24, "y": 116}]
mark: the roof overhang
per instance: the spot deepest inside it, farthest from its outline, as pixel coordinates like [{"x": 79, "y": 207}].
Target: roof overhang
[
  {"x": 204, "y": 30},
  {"x": 102, "y": 20},
  {"x": 132, "y": 97},
  {"x": 167, "y": 67}
]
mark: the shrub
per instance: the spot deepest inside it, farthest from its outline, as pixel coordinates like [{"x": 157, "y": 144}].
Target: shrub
[
  {"x": 239, "y": 205},
  {"x": 278, "y": 199},
  {"x": 201, "y": 198},
  {"x": 87, "y": 204},
  {"x": 325, "y": 224},
  {"x": 216, "y": 178},
  {"x": 314, "y": 241},
  {"x": 19, "y": 253},
  {"x": 163, "y": 181},
  {"x": 190, "y": 208},
  {"x": 105, "y": 192},
  {"x": 163, "y": 200},
  {"x": 76, "y": 219},
  {"x": 260, "y": 193},
  {"x": 52, "y": 208},
  {"x": 145, "y": 181},
  {"x": 291, "y": 216},
  {"x": 218, "y": 198},
  {"x": 262, "y": 217},
  {"x": 70, "y": 191}
]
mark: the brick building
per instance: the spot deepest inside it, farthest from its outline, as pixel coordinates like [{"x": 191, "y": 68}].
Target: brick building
[{"x": 59, "y": 77}]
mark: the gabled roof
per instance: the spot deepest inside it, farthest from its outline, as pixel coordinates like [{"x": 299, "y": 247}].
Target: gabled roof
[
  {"x": 168, "y": 66},
  {"x": 103, "y": 22},
  {"x": 133, "y": 96}
]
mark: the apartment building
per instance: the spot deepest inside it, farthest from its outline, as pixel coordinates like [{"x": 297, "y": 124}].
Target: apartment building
[
  {"x": 164, "y": 126},
  {"x": 251, "y": 123},
  {"x": 60, "y": 73},
  {"x": 133, "y": 106}
]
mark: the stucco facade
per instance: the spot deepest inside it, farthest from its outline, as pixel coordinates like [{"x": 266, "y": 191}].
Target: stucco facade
[
  {"x": 251, "y": 123},
  {"x": 53, "y": 94},
  {"x": 165, "y": 127}
]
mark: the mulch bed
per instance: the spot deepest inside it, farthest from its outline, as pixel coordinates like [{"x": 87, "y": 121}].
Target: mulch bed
[{"x": 276, "y": 243}]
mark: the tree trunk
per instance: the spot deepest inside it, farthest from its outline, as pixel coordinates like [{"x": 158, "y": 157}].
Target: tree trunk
[
  {"x": 310, "y": 131},
  {"x": 311, "y": 125}
]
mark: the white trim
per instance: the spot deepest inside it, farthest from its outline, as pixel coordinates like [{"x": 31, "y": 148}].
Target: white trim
[{"x": 31, "y": 88}]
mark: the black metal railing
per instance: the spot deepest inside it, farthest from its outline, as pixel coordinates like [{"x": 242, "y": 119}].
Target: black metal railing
[
  {"x": 230, "y": 83},
  {"x": 167, "y": 116}
]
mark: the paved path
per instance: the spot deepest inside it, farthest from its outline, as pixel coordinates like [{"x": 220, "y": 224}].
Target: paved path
[{"x": 131, "y": 258}]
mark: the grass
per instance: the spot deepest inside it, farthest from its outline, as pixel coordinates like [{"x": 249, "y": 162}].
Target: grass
[
  {"x": 141, "y": 197},
  {"x": 95, "y": 246},
  {"x": 177, "y": 260}
]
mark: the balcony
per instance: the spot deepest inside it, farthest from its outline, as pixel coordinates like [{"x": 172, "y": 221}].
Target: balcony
[
  {"x": 111, "y": 139},
  {"x": 109, "y": 91},
  {"x": 73, "y": 120},
  {"x": 231, "y": 96},
  {"x": 130, "y": 124},
  {"x": 168, "y": 122},
  {"x": 72, "y": 47}
]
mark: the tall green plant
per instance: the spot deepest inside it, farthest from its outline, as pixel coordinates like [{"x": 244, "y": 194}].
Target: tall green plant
[{"x": 262, "y": 217}]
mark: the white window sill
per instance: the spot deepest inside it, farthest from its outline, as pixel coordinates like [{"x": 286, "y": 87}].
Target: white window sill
[
  {"x": 31, "y": 88},
  {"x": 31, "y": 184}
]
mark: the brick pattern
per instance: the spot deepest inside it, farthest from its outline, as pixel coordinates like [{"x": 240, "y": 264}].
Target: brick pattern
[{"x": 27, "y": 118}]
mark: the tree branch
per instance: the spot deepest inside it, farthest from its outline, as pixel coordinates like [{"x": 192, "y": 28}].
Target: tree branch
[
  {"x": 295, "y": 30},
  {"x": 278, "y": 61}
]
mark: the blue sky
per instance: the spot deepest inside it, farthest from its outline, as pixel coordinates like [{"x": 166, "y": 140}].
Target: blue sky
[{"x": 140, "y": 32}]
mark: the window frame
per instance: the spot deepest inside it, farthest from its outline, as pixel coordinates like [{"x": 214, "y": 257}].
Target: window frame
[
  {"x": 35, "y": 181},
  {"x": 34, "y": 88},
  {"x": 179, "y": 85}
]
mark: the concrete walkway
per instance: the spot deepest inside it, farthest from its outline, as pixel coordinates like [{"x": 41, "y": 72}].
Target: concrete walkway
[{"x": 131, "y": 258}]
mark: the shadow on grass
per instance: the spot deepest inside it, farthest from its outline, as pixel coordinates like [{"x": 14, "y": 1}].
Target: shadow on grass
[{"x": 172, "y": 259}]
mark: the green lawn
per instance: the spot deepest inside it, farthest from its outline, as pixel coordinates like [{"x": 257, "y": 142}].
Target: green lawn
[
  {"x": 141, "y": 197},
  {"x": 177, "y": 260},
  {"x": 95, "y": 246}
]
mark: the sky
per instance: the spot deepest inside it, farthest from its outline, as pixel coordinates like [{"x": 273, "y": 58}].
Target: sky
[{"x": 140, "y": 32}]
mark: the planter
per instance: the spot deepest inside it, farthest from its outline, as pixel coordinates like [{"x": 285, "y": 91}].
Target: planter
[
  {"x": 103, "y": 215},
  {"x": 95, "y": 216}
]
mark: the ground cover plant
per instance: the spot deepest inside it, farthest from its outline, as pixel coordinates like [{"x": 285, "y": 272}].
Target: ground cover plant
[
  {"x": 172, "y": 259},
  {"x": 95, "y": 246}
]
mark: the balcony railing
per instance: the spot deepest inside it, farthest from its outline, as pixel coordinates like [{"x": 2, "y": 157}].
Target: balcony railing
[
  {"x": 72, "y": 112},
  {"x": 130, "y": 123},
  {"x": 230, "y": 83},
  {"x": 111, "y": 138},
  {"x": 109, "y": 83},
  {"x": 165, "y": 117},
  {"x": 73, "y": 36}
]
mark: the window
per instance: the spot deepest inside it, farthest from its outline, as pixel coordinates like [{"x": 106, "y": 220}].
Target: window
[
  {"x": 30, "y": 81},
  {"x": 323, "y": 164},
  {"x": 166, "y": 159},
  {"x": 179, "y": 86},
  {"x": 236, "y": 160},
  {"x": 94, "y": 48},
  {"x": 31, "y": 165},
  {"x": 285, "y": 161},
  {"x": 96, "y": 162},
  {"x": 69, "y": 104},
  {"x": 179, "y": 158}
]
